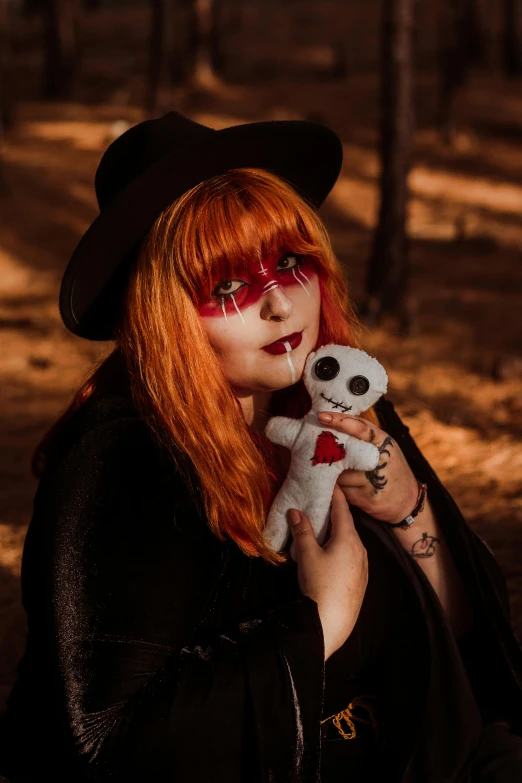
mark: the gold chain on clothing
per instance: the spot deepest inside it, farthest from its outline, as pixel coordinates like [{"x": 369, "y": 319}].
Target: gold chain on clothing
[{"x": 348, "y": 716}]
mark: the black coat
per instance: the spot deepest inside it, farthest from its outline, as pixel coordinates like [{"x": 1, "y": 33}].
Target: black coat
[{"x": 157, "y": 653}]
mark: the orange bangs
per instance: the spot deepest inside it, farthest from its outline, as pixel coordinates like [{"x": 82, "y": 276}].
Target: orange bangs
[{"x": 231, "y": 221}]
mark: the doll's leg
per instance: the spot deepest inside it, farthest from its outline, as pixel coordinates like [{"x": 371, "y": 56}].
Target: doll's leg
[
  {"x": 276, "y": 531},
  {"x": 318, "y": 512},
  {"x": 319, "y": 516}
]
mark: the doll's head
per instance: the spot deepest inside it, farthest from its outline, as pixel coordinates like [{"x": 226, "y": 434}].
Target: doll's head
[{"x": 343, "y": 379}]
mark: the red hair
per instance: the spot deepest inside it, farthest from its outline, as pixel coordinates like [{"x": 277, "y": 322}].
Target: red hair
[{"x": 176, "y": 382}]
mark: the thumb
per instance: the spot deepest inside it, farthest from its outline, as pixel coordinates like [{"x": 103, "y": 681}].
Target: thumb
[
  {"x": 302, "y": 532},
  {"x": 340, "y": 516}
]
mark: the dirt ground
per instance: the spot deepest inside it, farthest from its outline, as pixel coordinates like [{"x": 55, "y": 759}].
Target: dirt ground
[{"x": 456, "y": 379}]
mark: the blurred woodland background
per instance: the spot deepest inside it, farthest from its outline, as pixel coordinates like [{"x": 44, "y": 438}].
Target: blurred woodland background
[{"x": 427, "y": 98}]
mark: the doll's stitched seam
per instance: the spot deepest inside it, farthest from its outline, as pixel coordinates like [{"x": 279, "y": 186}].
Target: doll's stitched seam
[{"x": 336, "y": 404}]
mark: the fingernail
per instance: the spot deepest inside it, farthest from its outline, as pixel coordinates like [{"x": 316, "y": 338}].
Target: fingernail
[{"x": 324, "y": 417}]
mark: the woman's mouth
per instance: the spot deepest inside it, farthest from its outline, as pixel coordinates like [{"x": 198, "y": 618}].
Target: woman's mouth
[{"x": 280, "y": 346}]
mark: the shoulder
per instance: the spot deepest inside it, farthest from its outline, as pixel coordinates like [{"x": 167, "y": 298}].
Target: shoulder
[
  {"x": 111, "y": 467},
  {"x": 106, "y": 432}
]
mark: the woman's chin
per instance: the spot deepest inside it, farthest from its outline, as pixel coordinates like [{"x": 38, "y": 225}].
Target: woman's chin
[{"x": 286, "y": 378}]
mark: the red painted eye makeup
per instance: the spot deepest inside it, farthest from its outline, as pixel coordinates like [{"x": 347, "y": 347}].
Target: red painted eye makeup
[{"x": 232, "y": 296}]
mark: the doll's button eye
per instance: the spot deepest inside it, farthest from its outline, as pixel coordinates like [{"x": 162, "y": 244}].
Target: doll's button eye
[
  {"x": 359, "y": 385},
  {"x": 327, "y": 368}
]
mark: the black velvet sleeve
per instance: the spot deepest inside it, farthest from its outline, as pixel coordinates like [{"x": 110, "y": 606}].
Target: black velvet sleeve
[
  {"x": 490, "y": 650},
  {"x": 150, "y": 691}
]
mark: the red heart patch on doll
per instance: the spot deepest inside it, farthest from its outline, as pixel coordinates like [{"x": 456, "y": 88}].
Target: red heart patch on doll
[{"x": 327, "y": 449}]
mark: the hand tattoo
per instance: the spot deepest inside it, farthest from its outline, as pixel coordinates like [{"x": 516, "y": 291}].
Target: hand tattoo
[
  {"x": 379, "y": 482},
  {"x": 424, "y": 547}
]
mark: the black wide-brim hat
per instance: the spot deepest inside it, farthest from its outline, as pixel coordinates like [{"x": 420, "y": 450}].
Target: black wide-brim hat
[{"x": 151, "y": 165}]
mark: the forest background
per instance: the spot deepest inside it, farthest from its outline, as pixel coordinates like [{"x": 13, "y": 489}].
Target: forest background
[{"x": 427, "y": 98}]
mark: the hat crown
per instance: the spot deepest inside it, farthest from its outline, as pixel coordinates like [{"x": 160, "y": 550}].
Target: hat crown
[
  {"x": 151, "y": 165},
  {"x": 139, "y": 147}
]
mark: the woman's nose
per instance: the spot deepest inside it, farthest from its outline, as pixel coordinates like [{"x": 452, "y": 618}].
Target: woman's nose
[{"x": 276, "y": 305}]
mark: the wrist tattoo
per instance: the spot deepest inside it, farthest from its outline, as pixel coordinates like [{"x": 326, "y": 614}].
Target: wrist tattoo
[
  {"x": 377, "y": 481},
  {"x": 424, "y": 547}
]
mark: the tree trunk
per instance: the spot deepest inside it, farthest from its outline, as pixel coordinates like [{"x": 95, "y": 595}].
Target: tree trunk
[
  {"x": 3, "y": 41},
  {"x": 512, "y": 38},
  {"x": 206, "y": 43},
  {"x": 60, "y": 48},
  {"x": 476, "y": 48},
  {"x": 165, "y": 64},
  {"x": 388, "y": 272},
  {"x": 225, "y": 20},
  {"x": 30, "y": 7},
  {"x": 182, "y": 46},
  {"x": 7, "y": 86},
  {"x": 5, "y": 58},
  {"x": 453, "y": 54}
]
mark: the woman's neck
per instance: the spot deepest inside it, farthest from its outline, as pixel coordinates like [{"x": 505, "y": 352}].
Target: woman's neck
[{"x": 256, "y": 410}]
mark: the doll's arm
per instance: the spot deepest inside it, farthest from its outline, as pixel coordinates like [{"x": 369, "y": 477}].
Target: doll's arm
[
  {"x": 360, "y": 455},
  {"x": 283, "y": 431}
]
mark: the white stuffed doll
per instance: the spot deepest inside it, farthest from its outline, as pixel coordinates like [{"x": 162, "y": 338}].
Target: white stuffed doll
[{"x": 338, "y": 378}]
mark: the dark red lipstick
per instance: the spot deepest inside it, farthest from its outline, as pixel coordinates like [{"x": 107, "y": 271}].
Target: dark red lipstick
[{"x": 278, "y": 346}]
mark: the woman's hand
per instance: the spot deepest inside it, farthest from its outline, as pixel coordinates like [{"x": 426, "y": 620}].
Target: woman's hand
[
  {"x": 334, "y": 575},
  {"x": 389, "y": 492}
]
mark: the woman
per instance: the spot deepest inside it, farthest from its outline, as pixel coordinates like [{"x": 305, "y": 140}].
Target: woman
[{"x": 166, "y": 641}]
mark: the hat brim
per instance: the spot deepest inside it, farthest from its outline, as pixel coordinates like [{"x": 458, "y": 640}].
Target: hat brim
[{"x": 307, "y": 155}]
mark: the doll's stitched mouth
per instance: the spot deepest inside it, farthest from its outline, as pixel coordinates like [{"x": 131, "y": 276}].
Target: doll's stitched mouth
[{"x": 337, "y": 404}]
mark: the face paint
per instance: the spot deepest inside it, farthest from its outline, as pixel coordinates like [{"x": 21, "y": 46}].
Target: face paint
[
  {"x": 252, "y": 356},
  {"x": 300, "y": 270},
  {"x": 255, "y": 286},
  {"x": 235, "y": 305},
  {"x": 289, "y": 360},
  {"x": 303, "y": 286},
  {"x": 270, "y": 285},
  {"x": 237, "y": 308}
]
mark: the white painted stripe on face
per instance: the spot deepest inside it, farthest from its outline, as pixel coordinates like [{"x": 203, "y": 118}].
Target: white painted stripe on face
[
  {"x": 305, "y": 277},
  {"x": 270, "y": 282},
  {"x": 238, "y": 310},
  {"x": 299, "y": 281},
  {"x": 289, "y": 360},
  {"x": 223, "y": 308},
  {"x": 276, "y": 285}
]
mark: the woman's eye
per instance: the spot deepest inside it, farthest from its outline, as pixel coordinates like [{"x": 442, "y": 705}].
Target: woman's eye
[
  {"x": 289, "y": 262},
  {"x": 225, "y": 288},
  {"x": 226, "y": 285}
]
